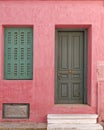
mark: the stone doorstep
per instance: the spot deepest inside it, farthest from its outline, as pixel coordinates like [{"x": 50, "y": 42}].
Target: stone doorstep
[
  {"x": 77, "y": 121},
  {"x": 72, "y": 118},
  {"x": 74, "y": 127},
  {"x": 73, "y": 122}
]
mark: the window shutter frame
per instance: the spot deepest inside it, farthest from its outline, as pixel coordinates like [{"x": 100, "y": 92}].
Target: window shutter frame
[{"x": 19, "y": 45}]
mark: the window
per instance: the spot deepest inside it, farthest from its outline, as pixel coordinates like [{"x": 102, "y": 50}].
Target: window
[{"x": 18, "y": 53}]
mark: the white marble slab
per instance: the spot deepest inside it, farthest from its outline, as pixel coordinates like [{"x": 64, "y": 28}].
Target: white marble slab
[
  {"x": 71, "y": 118},
  {"x": 74, "y": 127}
]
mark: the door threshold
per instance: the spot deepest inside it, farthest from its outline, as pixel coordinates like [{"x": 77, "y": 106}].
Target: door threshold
[{"x": 70, "y": 105}]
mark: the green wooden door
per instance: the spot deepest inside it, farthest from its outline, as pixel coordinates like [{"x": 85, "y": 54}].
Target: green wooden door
[{"x": 70, "y": 68}]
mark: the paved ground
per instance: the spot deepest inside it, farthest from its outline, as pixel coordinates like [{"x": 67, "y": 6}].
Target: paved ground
[
  {"x": 26, "y": 126},
  {"x": 102, "y": 123},
  {"x": 22, "y": 126}
]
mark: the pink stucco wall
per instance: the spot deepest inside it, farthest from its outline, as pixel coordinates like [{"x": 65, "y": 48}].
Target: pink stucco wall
[{"x": 44, "y": 16}]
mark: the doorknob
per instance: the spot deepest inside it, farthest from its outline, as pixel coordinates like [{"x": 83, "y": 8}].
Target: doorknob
[
  {"x": 70, "y": 71},
  {"x": 58, "y": 76}
]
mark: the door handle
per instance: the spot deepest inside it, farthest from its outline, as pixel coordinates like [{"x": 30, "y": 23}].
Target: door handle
[
  {"x": 70, "y": 71},
  {"x": 59, "y": 75}
]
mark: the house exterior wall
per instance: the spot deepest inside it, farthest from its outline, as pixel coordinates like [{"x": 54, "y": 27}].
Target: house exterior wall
[{"x": 44, "y": 17}]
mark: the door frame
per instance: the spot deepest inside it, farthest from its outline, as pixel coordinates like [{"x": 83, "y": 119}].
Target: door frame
[{"x": 85, "y": 48}]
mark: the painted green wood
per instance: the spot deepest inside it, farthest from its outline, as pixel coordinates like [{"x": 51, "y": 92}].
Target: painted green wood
[
  {"x": 70, "y": 68},
  {"x": 18, "y": 53}
]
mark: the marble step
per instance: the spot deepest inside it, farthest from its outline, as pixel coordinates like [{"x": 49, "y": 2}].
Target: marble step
[
  {"x": 74, "y": 127},
  {"x": 72, "y": 118}
]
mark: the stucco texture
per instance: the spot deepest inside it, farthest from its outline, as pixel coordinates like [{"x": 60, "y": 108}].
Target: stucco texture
[{"x": 44, "y": 17}]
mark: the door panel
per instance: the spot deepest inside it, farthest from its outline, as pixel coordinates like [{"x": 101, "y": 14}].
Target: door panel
[{"x": 70, "y": 64}]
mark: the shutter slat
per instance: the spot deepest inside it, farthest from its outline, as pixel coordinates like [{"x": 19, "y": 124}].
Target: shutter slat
[
  {"x": 7, "y": 54},
  {"x": 29, "y": 53},
  {"x": 15, "y": 59},
  {"x": 22, "y": 53}
]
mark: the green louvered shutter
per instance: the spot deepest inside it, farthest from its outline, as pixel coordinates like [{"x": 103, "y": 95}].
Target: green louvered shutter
[{"x": 18, "y": 53}]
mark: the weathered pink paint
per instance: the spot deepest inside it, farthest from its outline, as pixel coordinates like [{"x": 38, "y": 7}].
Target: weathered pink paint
[{"x": 45, "y": 16}]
